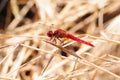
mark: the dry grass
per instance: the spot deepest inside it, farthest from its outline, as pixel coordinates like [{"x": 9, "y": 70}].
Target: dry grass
[{"x": 25, "y": 54}]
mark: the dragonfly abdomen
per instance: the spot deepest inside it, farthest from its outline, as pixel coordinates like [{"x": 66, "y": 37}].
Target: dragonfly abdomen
[{"x": 79, "y": 40}]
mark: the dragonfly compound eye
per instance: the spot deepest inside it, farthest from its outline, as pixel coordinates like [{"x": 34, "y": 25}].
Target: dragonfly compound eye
[{"x": 50, "y": 34}]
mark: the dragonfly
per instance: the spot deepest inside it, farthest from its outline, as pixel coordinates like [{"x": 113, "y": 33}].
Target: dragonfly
[{"x": 59, "y": 33}]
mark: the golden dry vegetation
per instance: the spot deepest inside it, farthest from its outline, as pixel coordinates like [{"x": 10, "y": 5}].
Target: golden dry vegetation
[{"x": 26, "y": 54}]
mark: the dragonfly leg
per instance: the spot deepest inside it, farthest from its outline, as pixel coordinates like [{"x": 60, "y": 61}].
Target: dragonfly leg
[{"x": 61, "y": 41}]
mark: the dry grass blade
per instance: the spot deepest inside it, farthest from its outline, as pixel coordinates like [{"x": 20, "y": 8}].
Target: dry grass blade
[
  {"x": 25, "y": 49},
  {"x": 83, "y": 59},
  {"x": 23, "y": 12},
  {"x": 65, "y": 50}
]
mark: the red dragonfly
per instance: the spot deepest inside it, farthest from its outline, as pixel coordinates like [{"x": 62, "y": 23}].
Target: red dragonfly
[{"x": 59, "y": 33}]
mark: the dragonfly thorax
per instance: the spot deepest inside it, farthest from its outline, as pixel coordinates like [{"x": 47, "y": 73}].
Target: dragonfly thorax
[{"x": 60, "y": 33}]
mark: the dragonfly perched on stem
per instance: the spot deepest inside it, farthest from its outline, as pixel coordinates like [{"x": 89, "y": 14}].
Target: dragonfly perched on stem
[{"x": 59, "y": 33}]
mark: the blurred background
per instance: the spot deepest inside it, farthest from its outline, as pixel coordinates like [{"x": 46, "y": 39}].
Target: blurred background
[{"x": 25, "y": 56}]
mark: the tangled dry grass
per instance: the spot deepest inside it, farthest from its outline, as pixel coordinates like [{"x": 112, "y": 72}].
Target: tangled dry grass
[{"x": 24, "y": 54}]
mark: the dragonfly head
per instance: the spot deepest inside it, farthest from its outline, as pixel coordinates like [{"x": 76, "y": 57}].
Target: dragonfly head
[{"x": 50, "y": 33}]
